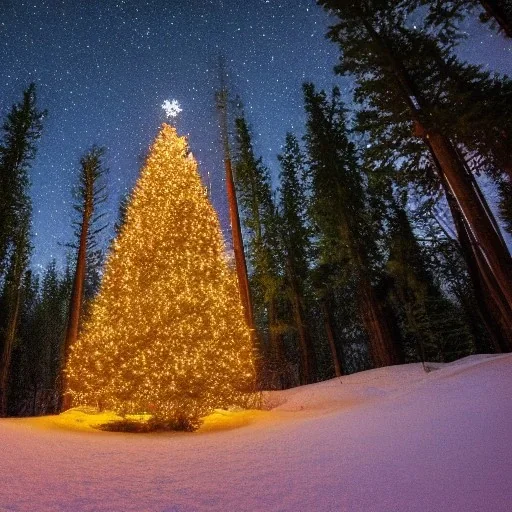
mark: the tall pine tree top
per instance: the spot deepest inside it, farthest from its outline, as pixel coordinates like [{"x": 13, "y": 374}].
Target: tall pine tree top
[{"x": 167, "y": 335}]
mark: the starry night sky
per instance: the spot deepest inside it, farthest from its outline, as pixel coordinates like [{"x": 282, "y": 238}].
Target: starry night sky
[{"x": 104, "y": 67}]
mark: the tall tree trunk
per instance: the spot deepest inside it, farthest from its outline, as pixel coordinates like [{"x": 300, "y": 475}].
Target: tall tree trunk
[
  {"x": 238, "y": 247},
  {"x": 492, "y": 304},
  {"x": 382, "y": 347},
  {"x": 325, "y": 305},
  {"x": 491, "y": 307},
  {"x": 234, "y": 217},
  {"x": 470, "y": 204},
  {"x": 75, "y": 306},
  {"x": 308, "y": 356},
  {"x": 495, "y": 11},
  {"x": 11, "y": 328}
]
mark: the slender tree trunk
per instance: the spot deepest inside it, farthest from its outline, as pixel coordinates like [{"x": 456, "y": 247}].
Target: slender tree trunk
[
  {"x": 234, "y": 217},
  {"x": 495, "y": 11},
  {"x": 75, "y": 306},
  {"x": 308, "y": 356},
  {"x": 10, "y": 334},
  {"x": 329, "y": 331},
  {"x": 238, "y": 247}
]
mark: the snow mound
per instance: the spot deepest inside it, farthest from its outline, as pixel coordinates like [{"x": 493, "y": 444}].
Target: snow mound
[{"x": 393, "y": 439}]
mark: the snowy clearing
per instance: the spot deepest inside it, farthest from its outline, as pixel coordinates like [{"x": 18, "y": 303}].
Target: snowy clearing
[{"x": 391, "y": 439}]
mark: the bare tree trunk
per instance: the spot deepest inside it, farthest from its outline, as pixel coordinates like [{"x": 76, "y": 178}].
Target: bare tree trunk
[
  {"x": 5, "y": 362},
  {"x": 489, "y": 240},
  {"x": 492, "y": 305},
  {"x": 75, "y": 306},
  {"x": 234, "y": 217},
  {"x": 329, "y": 331},
  {"x": 484, "y": 291},
  {"x": 238, "y": 247},
  {"x": 308, "y": 356},
  {"x": 382, "y": 347}
]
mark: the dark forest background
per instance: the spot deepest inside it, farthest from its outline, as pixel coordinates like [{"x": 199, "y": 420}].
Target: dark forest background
[{"x": 378, "y": 247}]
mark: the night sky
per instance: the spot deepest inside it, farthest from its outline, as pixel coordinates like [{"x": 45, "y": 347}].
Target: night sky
[{"x": 104, "y": 67}]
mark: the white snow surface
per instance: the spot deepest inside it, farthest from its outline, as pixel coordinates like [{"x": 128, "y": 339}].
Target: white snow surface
[{"x": 392, "y": 439}]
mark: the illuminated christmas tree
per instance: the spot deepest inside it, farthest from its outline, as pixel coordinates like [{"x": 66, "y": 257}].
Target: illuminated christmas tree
[{"x": 167, "y": 334}]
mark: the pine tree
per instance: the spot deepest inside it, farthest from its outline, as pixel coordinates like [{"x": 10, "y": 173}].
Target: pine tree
[
  {"x": 430, "y": 321},
  {"x": 448, "y": 13},
  {"x": 167, "y": 334},
  {"x": 295, "y": 236},
  {"x": 36, "y": 359},
  {"x": 260, "y": 221},
  {"x": 21, "y": 130},
  {"x": 91, "y": 194},
  {"x": 339, "y": 209},
  {"x": 17, "y": 149},
  {"x": 401, "y": 76},
  {"x": 23, "y": 377},
  {"x": 124, "y": 201},
  {"x": 13, "y": 300}
]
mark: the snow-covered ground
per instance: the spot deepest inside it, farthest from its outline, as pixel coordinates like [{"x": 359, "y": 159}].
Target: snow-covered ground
[{"x": 392, "y": 439}]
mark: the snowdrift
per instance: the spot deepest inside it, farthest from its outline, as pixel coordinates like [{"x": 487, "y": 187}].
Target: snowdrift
[{"x": 392, "y": 439}]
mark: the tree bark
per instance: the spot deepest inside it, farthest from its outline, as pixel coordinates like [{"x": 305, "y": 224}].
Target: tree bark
[
  {"x": 234, "y": 217},
  {"x": 75, "y": 306},
  {"x": 382, "y": 349},
  {"x": 329, "y": 331},
  {"x": 489, "y": 240},
  {"x": 492, "y": 305}
]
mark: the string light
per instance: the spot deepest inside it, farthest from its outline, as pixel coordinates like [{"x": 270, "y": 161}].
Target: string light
[{"x": 166, "y": 335}]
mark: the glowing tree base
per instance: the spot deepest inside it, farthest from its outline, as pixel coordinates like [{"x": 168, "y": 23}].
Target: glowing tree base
[{"x": 167, "y": 334}]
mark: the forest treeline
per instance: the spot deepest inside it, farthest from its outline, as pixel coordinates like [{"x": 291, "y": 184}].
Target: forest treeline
[{"x": 378, "y": 246}]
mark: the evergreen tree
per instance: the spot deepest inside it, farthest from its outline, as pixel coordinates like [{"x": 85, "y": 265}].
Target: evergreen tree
[
  {"x": 21, "y": 130},
  {"x": 12, "y": 301},
  {"x": 295, "y": 236},
  {"x": 260, "y": 221},
  {"x": 431, "y": 323},
  {"x": 36, "y": 359},
  {"x": 505, "y": 203},
  {"x": 121, "y": 214},
  {"x": 448, "y": 13},
  {"x": 167, "y": 334},
  {"x": 90, "y": 195},
  {"x": 402, "y": 74},
  {"x": 340, "y": 210},
  {"x": 24, "y": 361}
]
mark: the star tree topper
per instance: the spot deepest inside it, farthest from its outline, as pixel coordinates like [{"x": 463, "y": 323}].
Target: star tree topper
[{"x": 171, "y": 108}]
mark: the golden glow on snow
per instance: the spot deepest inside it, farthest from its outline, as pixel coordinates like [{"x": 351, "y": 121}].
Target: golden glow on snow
[{"x": 167, "y": 334}]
